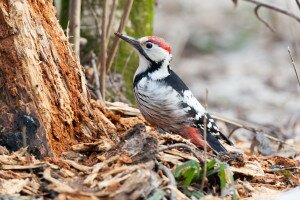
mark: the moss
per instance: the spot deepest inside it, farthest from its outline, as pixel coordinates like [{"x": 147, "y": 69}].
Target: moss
[
  {"x": 64, "y": 14},
  {"x": 92, "y": 42},
  {"x": 140, "y": 24}
]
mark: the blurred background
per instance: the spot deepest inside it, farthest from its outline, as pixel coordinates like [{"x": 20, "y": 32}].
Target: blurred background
[
  {"x": 217, "y": 46},
  {"x": 245, "y": 66}
]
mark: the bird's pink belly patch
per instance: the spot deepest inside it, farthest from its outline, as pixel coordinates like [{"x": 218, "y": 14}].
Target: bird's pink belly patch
[{"x": 194, "y": 135}]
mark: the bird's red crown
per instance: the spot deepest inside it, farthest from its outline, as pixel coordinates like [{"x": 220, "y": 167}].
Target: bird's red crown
[{"x": 160, "y": 42}]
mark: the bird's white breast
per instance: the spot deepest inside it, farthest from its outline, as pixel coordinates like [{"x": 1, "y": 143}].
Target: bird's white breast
[{"x": 160, "y": 104}]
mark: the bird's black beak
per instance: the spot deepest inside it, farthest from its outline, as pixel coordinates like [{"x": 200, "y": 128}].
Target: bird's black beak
[{"x": 134, "y": 42}]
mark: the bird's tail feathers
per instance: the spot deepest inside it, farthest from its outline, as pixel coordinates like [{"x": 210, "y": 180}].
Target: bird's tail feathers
[
  {"x": 215, "y": 144},
  {"x": 225, "y": 138}
]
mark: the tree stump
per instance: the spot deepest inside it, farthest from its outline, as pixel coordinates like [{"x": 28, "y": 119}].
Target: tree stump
[{"x": 44, "y": 100}]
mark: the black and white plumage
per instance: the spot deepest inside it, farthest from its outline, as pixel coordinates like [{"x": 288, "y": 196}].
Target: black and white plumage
[{"x": 164, "y": 99}]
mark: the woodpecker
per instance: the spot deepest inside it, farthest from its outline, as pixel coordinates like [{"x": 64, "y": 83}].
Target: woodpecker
[{"x": 164, "y": 99}]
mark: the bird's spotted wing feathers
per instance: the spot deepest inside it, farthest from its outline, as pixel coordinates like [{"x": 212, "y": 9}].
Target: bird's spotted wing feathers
[{"x": 196, "y": 113}]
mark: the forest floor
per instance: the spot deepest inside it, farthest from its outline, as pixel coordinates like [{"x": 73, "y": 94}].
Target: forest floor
[{"x": 147, "y": 164}]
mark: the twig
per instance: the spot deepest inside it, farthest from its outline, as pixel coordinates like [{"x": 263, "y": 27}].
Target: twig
[
  {"x": 95, "y": 16},
  {"x": 22, "y": 167},
  {"x": 92, "y": 91},
  {"x": 182, "y": 145},
  {"x": 251, "y": 128},
  {"x": 102, "y": 54},
  {"x": 205, "y": 142},
  {"x": 96, "y": 77},
  {"x": 261, "y": 19},
  {"x": 77, "y": 165},
  {"x": 298, "y": 3},
  {"x": 116, "y": 41},
  {"x": 97, "y": 81},
  {"x": 127, "y": 61},
  {"x": 275, "y": 9},
  {"x": 169, "y": 175},
  {"x": 232, "y": 131},
  {"x": 111, "y": 19},
  {"x": 294, "y": 65}
]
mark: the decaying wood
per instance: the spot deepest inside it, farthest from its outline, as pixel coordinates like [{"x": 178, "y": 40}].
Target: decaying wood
[
  {"x": 42, "y": 85},
  {"x": 128, "y": 170},
  {"x": 122, "y": 108}
]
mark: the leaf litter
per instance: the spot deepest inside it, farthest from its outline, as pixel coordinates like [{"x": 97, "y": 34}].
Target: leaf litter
[{"x": 145, "y": 164}]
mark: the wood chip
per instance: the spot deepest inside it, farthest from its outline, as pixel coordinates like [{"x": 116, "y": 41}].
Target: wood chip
[
  {"x": 251, "y": 168},
  {"x": 59, "y": 186},
  {"x": 187, "y": 156},
  {"x": 13, "y": 186},
  {"x": 175, "y": 160},
  {"x": 103, "y": 145},
  {"x": 118, "y": 178},
  {"x": 122, "y": 108},
  {"x": 6, "y": 167},
  {"x": 91, "y": 177},
  {"x": 77, "y": 165}
]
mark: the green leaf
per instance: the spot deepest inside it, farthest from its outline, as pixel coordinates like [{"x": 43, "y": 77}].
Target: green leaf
[
  {"x": 189, "y": 171},
  {"x": 210, "y": 170},
  {"x": 158, "y": 195},
  {"x": 189, "y": 175},
  {"x": 197, "y": 194},
  {"x": 189, "y": 164},
  {"x": 227, "y": 181},
  {"x": 215, "y": 170},
  {"x": 235, "y": 195},
  {"x": 210, "y": 165},
  {"x": 222, "y": 176}
]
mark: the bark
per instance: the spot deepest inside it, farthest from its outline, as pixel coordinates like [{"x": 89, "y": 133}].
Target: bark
[
  {"x": 75, "y": 9},
  {"x": 43, "y": 92}
]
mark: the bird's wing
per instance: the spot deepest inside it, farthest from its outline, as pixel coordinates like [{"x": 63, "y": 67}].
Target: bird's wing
[{"x": 195, "y": 111}]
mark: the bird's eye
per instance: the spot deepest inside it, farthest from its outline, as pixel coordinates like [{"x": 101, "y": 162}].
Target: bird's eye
[{"x": 149, "y": 45}]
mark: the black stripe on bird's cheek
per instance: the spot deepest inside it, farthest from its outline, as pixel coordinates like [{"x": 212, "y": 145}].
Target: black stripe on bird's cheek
[{"x": 143, "y": 53}]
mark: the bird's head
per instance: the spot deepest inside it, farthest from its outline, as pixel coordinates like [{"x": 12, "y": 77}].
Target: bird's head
[{"x": 151, "y": 49}]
